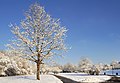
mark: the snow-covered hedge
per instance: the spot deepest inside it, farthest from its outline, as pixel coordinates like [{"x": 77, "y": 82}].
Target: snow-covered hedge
[{"x": 12, "y": 65}]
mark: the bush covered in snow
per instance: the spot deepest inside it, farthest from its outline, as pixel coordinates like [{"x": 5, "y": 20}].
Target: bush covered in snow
[
  {"x": 69, "y": 68},
  {"x": 46, "y": 69},
  {"x": 85, "y": 65},
  {"x": 13, "y": 65}
]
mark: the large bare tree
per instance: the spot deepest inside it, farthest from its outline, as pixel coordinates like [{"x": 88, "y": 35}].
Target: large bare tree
[{"x": 38, "y": 36}]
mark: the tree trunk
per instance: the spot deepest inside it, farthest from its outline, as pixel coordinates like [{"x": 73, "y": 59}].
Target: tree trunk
[{"x": 38, "y": 71}]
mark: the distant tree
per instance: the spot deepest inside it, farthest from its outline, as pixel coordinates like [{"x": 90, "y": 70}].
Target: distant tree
[
  {"x": 69, "y": 67},
  {"x": 115, "y": 64},
  {"x": 38, "y": 37},
  {"x": 98, "y": 67},
  {"x": 106, "y": 67},
  {"x": 85, "y": 65},
  {"x": 2, "y": 51}
]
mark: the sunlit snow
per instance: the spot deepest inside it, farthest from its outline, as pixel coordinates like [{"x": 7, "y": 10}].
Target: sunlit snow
[
  {"x": 30, "y": 79},
  {"x": 81, "y": 77}
]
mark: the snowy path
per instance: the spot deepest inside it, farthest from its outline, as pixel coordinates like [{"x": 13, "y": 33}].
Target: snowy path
[
  {"x": 30, "y": 79},
  {"x": 66, "y": 80}
]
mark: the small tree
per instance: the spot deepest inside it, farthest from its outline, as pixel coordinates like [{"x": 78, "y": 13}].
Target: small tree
[
  {"x": 97, "y": 68},
  {"x": 114, "y": 64},
  {"x": 69, "y": 67},
  {"x": 38, "y": 37},
  {"x": 85, "y": 65}
]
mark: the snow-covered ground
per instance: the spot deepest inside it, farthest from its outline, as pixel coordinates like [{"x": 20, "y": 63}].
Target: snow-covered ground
[
  {"x": 30, "y": 79},
  {"x": 81, "y": 77}
]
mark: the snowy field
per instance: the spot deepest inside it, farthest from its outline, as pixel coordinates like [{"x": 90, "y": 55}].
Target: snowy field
[
  {"x": 30, "y": 79},
  {"x": 81, "y": 77}
]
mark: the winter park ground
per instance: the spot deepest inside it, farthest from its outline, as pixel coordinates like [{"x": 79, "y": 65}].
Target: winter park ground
[
  {"x": 78, "y": 78},
  {"x": 61, "y": 78},
  {"x": 30, "y": 79}
]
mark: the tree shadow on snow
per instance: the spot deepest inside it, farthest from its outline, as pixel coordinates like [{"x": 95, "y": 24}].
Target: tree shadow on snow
[{"x": 26, "y": 77}]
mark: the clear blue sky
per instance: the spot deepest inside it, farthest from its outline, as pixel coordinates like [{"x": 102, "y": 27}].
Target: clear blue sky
[{"x": 94, "y": 26}]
